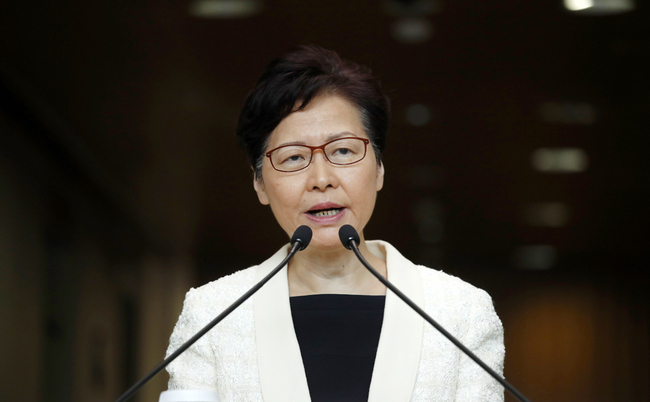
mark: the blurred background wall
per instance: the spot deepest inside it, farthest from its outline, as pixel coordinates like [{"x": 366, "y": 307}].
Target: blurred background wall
[{"x": 515, "y": 161}]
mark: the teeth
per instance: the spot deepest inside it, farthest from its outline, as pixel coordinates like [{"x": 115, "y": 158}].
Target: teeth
[{"x": 327, "y": 212}]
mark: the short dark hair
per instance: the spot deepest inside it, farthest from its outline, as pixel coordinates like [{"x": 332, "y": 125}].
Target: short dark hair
[{"x": 300, "y": 76}]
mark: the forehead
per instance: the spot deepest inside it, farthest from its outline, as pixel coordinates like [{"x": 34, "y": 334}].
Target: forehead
[{"x": 325, "y": 117}]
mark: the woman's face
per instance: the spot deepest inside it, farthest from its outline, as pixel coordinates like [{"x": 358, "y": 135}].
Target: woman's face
[{"x": 322, "y": 196}]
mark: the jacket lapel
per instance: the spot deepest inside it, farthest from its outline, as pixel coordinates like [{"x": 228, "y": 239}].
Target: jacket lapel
[
  {"x": 282, "y": 375},
  {"x": 400, "y": 341}
]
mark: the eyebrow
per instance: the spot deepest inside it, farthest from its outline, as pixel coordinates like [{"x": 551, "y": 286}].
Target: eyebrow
[{"x": 329, "y": 138}]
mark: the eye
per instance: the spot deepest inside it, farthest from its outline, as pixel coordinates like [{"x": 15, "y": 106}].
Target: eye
[
  {"x": 343, "y": 151},
  {"x": 293, "y": 158}
]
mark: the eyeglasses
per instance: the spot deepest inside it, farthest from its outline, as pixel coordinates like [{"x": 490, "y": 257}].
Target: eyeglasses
[{"x": 340, "y": 152}]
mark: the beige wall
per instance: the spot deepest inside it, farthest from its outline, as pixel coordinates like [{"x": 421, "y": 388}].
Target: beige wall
[
  {"x": 572, "y": 343},
  {"x": 163, "y": 287},
  {"x": 98, "y": 354},
  {"x": 21, "y": 288},
  {"x": 62, "y": 323}
]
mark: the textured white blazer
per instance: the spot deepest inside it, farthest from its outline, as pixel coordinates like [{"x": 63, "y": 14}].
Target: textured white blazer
[{"x": 253, "y": 355}]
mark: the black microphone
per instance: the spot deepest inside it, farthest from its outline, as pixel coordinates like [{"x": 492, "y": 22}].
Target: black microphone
[
  {"x": 302, "y": 235},
  {"x": 350, "y": 239},
  {"x": 349, "y": 236},
  {"x": 299, "y": 241}
]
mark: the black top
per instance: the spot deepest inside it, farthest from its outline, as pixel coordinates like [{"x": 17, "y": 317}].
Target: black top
[{"x": 338, "y": 337}]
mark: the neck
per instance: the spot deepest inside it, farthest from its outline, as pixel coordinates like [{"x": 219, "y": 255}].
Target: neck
[{"x": 334, "y": 271}]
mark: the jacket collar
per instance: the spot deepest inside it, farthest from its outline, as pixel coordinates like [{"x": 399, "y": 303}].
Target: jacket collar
[{"x": 282, "y": 375}]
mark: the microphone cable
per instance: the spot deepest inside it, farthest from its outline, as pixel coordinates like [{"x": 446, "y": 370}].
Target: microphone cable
[
  {"x": 299, "y": 241},
  {"x": 350, "y": 239}
]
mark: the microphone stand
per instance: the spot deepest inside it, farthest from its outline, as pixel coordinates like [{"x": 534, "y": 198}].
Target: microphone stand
[
  {"x": 353, "y": 244},
  {"x": 295, "y": 247}
]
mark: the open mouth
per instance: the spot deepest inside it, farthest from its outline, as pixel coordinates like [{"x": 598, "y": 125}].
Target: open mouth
[{"x": 325, "y": 212}]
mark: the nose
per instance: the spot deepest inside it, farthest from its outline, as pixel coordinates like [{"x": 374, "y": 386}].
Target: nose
[{"x": 322, "y": 174}]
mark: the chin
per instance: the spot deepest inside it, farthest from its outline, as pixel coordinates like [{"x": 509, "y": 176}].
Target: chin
[{"x": 326, "y": 239}]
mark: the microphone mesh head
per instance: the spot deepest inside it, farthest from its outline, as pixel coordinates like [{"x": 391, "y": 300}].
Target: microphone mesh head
[
  {"x": 302, "y": 235},
  {"x": 346, "y": 234}
]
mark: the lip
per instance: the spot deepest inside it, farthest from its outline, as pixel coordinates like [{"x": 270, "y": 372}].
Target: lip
[
  {"x": 326, "y": 219},
  {"x": 324, "y": 205}
]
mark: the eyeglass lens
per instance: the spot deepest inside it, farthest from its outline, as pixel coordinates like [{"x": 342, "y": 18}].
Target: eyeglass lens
[{"x": 343, "y": 151}]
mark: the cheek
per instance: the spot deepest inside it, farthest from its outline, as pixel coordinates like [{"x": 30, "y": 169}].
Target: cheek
[
  {"x": 284, "y": 196},
  {"x": 363, "y": 190}
]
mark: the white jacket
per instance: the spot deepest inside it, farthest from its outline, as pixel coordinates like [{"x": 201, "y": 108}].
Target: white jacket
[{"x": 253, "y": 355}]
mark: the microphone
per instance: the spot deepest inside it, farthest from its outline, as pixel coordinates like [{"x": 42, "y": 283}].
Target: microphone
[
  {"x": 302, "y": 235},
  {"x": 349, "y": 236},
  {"x": 350, "y": 239},
  {"x": 299, "y": 241}
]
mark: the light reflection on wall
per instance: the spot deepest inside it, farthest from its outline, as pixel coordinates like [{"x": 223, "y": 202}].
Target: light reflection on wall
[
  {"x": 550, "y": 343},
  {"x": 560, "y": 160},
  {"x": 535, "y": 257},
  {"x": 576, "y": 343},
  {"x": 573, "y": 113},
  {"x": 224, "y": 8},
  {"x": 547, "y": 214},
  {"x": 599, "y": 7}
]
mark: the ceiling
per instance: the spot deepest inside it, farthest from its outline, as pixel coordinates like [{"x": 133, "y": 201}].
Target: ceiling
[{"x": 151, "y": 96}]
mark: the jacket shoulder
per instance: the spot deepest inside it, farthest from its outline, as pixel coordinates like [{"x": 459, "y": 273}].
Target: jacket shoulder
[
  {"x": 216, "y": 295},
  {"x": 448, "y": 286},
  {"x": 456, "y": 302}
]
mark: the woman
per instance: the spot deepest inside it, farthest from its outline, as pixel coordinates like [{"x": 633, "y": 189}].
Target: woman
[{"x": 324, "y": 329}]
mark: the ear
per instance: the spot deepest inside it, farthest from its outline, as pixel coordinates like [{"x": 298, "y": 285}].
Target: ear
[
  {"x": 380, "y": 176},
  {"x": 260, "y": 189}
]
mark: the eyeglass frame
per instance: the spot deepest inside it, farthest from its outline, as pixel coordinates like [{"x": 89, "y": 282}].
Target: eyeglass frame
[{"x": 322, "y": 148}]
